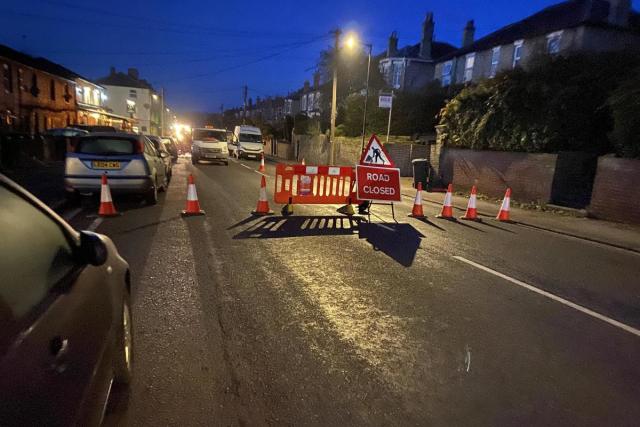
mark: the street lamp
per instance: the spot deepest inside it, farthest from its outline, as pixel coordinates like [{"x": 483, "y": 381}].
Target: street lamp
[{"x": 352, "y": 42}]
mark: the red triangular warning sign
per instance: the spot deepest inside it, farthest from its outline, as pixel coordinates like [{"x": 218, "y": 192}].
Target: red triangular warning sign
[{"x": 375, "y": 154}]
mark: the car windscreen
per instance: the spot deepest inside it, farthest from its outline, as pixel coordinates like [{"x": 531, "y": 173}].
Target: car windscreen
[
  {"x": 250, "y": 137},
  {"x": 106, "y": 146},
  {"x": 209, "y": 135}
]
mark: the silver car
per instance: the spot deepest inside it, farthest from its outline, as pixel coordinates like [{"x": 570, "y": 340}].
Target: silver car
[{"x": 131, "y": 163}]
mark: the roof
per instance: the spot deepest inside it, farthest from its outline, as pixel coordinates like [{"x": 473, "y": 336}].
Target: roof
[
  {"x": 568, "y": 14},
  {"x": 438, "y": 50},
  {"x": 125, "y": 80},
  {"x": 39, "y": 63}
]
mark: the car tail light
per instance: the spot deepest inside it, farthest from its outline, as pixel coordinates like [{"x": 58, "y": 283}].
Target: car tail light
[{"x": 139, "y": 146}]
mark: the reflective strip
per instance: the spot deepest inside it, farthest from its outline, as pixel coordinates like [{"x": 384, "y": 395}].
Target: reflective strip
[
  {"x": 191, "y": 193},
  {"x": 472, "y": 201},
  {"x": 447, "y": 199},
  {"x": 506, "y": 204},
  {"x": 334, "y": 171},
  {"x": 418, "y": 198},
  {"x": 105, "y": 194},
  {"x": 263, "y": 194},
  {"x": 313, "y": 170}
]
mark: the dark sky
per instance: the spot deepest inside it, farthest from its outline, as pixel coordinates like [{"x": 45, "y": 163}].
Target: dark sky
[{"x": 202, "y": 52}]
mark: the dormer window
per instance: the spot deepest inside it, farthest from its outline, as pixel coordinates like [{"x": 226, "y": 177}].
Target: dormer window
[
  {"x": 446, "y": 73},
  {"x": 553, "y": 43},
  {"x": 517, "y": 52},
  {"x": 469, "y": 63}
]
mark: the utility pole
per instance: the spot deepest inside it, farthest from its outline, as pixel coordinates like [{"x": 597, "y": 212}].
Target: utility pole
[
  {"x": 366, "y": 95},
  {"x": 390, "y": 111},
  {"x": 334, "y": 107},
  {"x": 244, "y": 107}
]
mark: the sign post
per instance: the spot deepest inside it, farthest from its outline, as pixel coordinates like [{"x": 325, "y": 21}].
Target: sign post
[{"x": 386, "y": 101}]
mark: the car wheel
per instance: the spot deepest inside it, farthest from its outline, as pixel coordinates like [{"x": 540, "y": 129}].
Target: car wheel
[
  {"x": 123, "y": 357},
  {"x": 152, "y": 195},
  {"x": 226, "y": 163},
  {"x": 72, "y": 197}
]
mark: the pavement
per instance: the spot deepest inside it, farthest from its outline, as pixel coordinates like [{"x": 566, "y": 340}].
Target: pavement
[{"x": 321, "y": 319}]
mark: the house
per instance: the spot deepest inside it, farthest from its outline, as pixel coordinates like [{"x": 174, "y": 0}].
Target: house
[
  {"x": 130, "y": 96},
  {"x": 35, "y": 93},
  {"x": 570, "y": 27},
  {"x": 412, "y": 67},
  {"x": 91, "y": 101}
]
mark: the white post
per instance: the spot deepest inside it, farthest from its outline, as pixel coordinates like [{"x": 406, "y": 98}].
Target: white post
[{"x": 389, "y": 125}]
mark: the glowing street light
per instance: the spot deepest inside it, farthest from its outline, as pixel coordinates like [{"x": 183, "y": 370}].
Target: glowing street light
[{"x": 351, "y": 42}]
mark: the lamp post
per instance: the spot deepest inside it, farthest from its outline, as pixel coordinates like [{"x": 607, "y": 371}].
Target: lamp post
[
  {"x": 351, "y": 42},
  {"x": 334, "y": 96}
]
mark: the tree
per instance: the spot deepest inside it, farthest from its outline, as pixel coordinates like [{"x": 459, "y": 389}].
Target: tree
[
  {"x": 625, "y": 110},
  {"x": 558, "y": 104}
]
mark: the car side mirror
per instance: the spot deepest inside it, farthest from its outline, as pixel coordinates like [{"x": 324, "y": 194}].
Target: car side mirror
[{"x": 92, "y": 249}]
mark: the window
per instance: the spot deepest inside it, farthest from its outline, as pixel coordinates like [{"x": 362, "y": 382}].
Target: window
[
  {"x": 131, "y": 106},
  {"x": 52, "y": 90},
  {"x": 396, "y": 76},
  {"x": 35, "y": 91},
  {"x": 7, "y": 78},
  {"x": 553, "y": 42},
  {"x": 469, "y": 62},
  {"x": 133, "y": 93},
  {"x": 304, "y": 103},
  {"x": 446, "y": 73},
  {"x": 495, "y": 61},
  {"x": 106, "y": 146},
  {"x": 67, "y": 93},
  {"x": 35, "y": 255},
  {"x": 310, "y": 102},
  {"x": 517, "y": 52}
]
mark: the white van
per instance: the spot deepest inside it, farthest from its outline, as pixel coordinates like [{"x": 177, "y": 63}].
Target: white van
[
  {"x": 209, "y": 144},
  {"x": 247, "y": 142}
]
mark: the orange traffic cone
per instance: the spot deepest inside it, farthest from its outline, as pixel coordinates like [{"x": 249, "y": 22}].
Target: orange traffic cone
[
  {"x": 417, "y": 211},
  {"x": 193, "y": 205},
  {"x": 261, "y": 168},
  {"x": 472, "y": 211},
  {"x": 106, "y": 203},
  {"x": 503, "y": 215},
  {"x": 263, "y": 204},
  {"x": 447, "y": 207}
]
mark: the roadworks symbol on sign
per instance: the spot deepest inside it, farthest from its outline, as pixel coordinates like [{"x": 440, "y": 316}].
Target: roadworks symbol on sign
[{"x": 375, "y": 154}]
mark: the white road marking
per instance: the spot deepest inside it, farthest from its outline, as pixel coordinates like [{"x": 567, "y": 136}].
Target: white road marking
[
  {"x": 467, "y": 357},
  {"x": 68, "y": 216},
  {"x": 252, "y": 169},
  {"x": 553, "y": 297},
  {"x": 245, "y": 166},
  {"x": 95, "y": 224}
]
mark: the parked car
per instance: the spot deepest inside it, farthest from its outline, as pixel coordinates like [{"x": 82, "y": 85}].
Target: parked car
[
  {"x": 164, "y": 154},
  {"x": 247, "y": 142},
  {"x": 65, "y": 316},
  {"x": 131, "y": 162},
  {"x": 209, "y": 144},
  {"x": 171, "y": 147},
  {"x": 96, "y": 128}
]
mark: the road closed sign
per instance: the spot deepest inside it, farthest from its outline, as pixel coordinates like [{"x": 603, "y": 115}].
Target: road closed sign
[{"x": 378, "y": 184}]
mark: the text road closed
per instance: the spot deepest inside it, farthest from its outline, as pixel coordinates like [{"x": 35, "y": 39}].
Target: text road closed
[{"x": 378, "y": 184}]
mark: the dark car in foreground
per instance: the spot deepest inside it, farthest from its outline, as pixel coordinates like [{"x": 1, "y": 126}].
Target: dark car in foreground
[{"x": 65, "y": 317}]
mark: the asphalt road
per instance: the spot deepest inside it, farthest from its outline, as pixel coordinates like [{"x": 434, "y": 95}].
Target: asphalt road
[{"x": 317, "y": 319}]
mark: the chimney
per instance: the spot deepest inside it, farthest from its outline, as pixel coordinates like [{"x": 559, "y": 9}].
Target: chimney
[
  {"x": 112, "y": 71},
  {"x": 427, "y": 36},
  {"x": 392, "y": 50},
  {"x": 469, "y": 33},
  {"x": 133, "y": 72},
  {"x": 306, "y": 86},
  {"x": 316, "y": 80},
  {"x": 619, "y": 12}
]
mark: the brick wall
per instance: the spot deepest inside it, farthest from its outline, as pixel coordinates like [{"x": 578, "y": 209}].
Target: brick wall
[
  {"x": 616, "y": 190},
  {"x": 530, "y": 176}
]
